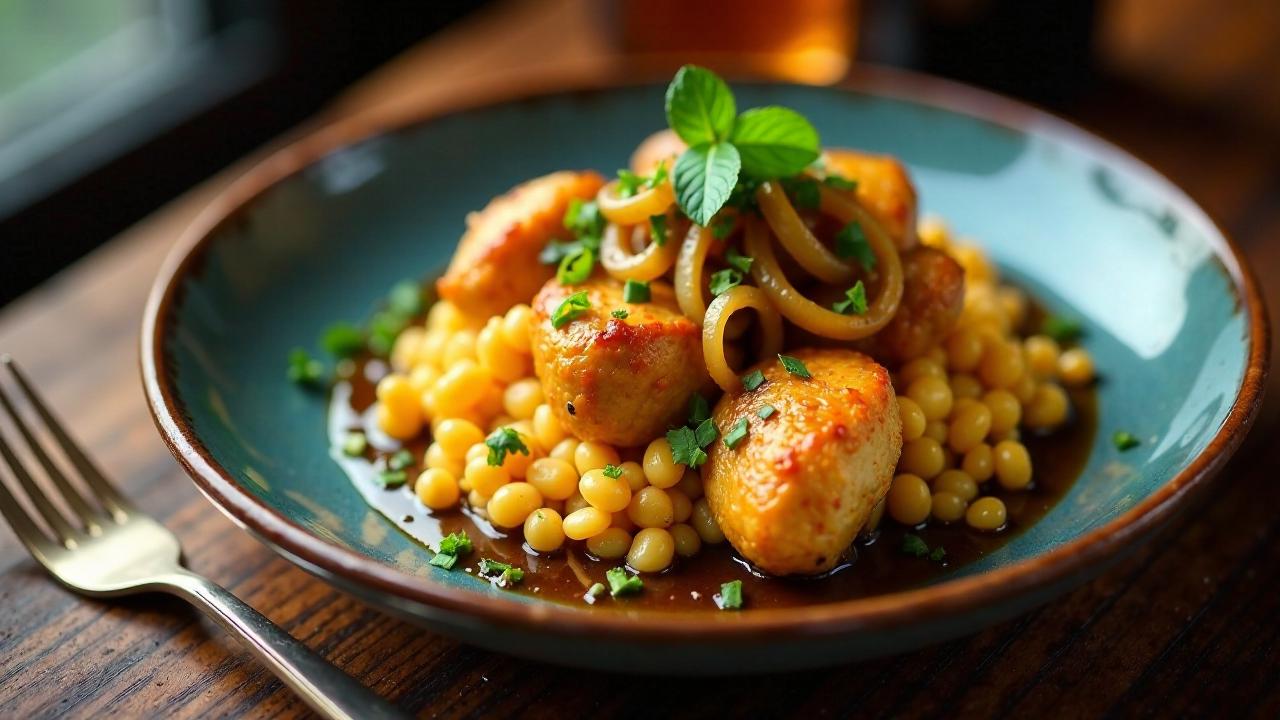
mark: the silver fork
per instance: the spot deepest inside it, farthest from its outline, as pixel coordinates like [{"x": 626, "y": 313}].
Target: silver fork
[{"x": 108, "y": 548}]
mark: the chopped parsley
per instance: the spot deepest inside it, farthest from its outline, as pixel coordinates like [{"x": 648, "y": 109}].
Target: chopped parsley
[
  {"x": 914, "y": 546},
  {"x": 391, "y": 478},
  {"x": 722, "y": 281},
  {"x": 839, "y": 183},
  {"x": 342, "y": 340},
  {"x": 1062, "y": 329},
  {"x": 456, "y": 543},
  {"x": 501, "y": 572},
  {"x": 635, "y": 291},
  {"x": 736, "y": 434},
  {"x": 766, "y": 411},
  {"x": 706, "y": 432},
  {"x": 938, "y": 554},
  {"x": 354, "y": 444},
  {"x": 400, "y": 460},
  {"x": 851, "y": 242},
  {"x": 570, "y": 309},
  {"x": 738, "y": 261},
  {"x": 730, "y": 596},
  {"x": 699, "y": 410},
  {"x": 612, "y": 471},
  {"x": 855, "y": 302},
  {"x": 502, "y": 441},
  {"x": 794, "y": 366},
  {"x": 630, "y": 183},
  {"x": 752, "y": 380},
  {"x": 620, "y": 313},
  {"x": 304, "y": 369},
  {"x": 804, "y": 192},
  {"x": 405, "y": 298},
  {"x": 658, "y": 229},
  {"x": 1125, "y": 440},
  {"x": 444, "y": 560},
  {"x": 722, "y": 226},
  {"x": 620, "y": 583},
  {"x": 577, "y": 267},
  {"x": 684, "y": 447},
  {"x": 583, "y": 219}
]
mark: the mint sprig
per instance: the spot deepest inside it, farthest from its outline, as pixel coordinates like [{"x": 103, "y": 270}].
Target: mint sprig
[{"x": 761, "y": 143}]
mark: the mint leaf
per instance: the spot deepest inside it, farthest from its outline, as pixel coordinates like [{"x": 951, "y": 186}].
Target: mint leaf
[
  {"x": 774, "y": 141},
  {"x": 700, "y": 106},
  {"x": 851, "y": 242},
  {"x": 704, "y": 177}
]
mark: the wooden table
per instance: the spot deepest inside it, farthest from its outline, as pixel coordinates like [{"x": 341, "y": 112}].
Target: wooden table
[{"x": 1186, "y": 626}]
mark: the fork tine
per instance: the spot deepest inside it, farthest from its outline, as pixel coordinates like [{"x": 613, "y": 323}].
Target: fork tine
[
  {"x": 26, "y": 530},
  {"x": 51, "y": 515},
  {"x": 93, "y": 477}
]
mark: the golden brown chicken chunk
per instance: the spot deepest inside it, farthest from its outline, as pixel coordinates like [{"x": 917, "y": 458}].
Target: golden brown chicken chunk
[
  {"x": 617, "y": 380},
  {"x": 793, "y": 494},
  {"x": 932, "y": 298},
  {"x": 884, "y": 189},
  {"x": 662, "y": 146},
  {"x": 496, "y": 264}
]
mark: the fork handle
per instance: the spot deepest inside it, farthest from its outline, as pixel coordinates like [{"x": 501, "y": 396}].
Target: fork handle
[{"x": 329, "y": 691}]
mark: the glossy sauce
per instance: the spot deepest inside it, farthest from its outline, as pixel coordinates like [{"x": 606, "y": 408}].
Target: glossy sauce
[{"x": 874, "y": 566}]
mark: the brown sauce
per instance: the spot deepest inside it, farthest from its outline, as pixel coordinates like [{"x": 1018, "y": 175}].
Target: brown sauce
[{"x": 875, "y": 566}]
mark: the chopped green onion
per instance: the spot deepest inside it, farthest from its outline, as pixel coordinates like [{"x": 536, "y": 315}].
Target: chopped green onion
[
  {"x": 593, "y": 592},
  {"x": 706, "y": 432},
  {"x": 752, "y": 380},
  {"x": 766, "y": 411},
  {"x": 794, "y": 366},
  {"x": 444, "y": 560},
  {"x": 736, "y": 434},
  {"x": 612, "y": 471},
  {"x": 635, "y": 291},
  {"x": 355, "y": 443},
  {"x": 576, "y": 268},
  {"x": 658, "y": 229},
  {"x": 400, "y": 460},
  {"x": 620, "y": 313},
  {"x": 502, "y": 572},
  {"x": 570, "y": 308},
  {"x": 699, "y": 410},
  {"x": 730, "y": 596},
  {"x": 391, "y": 478},
  {"x": 1125, "y": 440}
]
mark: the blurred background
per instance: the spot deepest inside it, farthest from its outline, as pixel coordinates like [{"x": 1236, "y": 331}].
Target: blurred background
[{"x": 109, "y": 109}]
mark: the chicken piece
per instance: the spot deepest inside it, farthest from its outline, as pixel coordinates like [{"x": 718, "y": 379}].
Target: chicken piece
[
  {"x": 496, "y": 264},
  {"x": 884, "y": 189},
  {"x": 619, "y": 381},
  {"x": 932, "y": 298},
  {"x": 794, "y": 493}
]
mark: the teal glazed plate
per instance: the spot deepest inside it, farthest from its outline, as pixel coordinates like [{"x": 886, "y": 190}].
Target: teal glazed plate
[{"x": 320, "y": 230}]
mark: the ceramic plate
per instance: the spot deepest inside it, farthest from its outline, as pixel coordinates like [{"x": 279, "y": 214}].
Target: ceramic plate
[{"x": 320, "y": 231}]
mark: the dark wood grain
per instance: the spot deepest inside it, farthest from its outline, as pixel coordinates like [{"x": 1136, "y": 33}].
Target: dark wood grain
[{"x": 1185, "y": 626}]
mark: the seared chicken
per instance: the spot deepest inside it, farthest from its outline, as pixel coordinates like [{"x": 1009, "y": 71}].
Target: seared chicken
[
  {"x": 792, "y": 495},
  {"x": 932, "y": 298},
  {"x": 884, "y": 189},
  {"x": 496, "y": 264},
  {"x": 620, "y": 381}
]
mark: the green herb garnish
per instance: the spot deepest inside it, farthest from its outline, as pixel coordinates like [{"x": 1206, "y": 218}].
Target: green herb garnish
[
  {"x": 502, "y": 441},
  {"x": 722, "y": 281},
  {"x": 456, "y": 543},
  {"x": 1125, "y": 440},
  {"x": 658, "y": 229},
  {"x": 583, "y": 219},
  {"x": 384, "y": 328},
  {"x": 620, "y": 583},
  {"x": 730, "y": 596},
  {"x": 593, "y": 592},
  {"x": 855, "y": 302},
  {"x": 752, "y": 380},
  {"x": 405, "y": 298},
  {"x": 794, "y": 366},
  {"x": 570, "y": 309},
  {"x": 503, "y": 573},
  {"x": 612, "y": 471},
  {"x": 839, "y": 183},
  {"x": 723, "y": 225},
  {"x": 635, "y": 291},
  {"x": 804, "y": 191},
  {"x": 685, "y": 449},
  {"x": 914, "y": 546},
  {"x": 766, "y": 142},
  {"x": 738, "y": 261},
  {"x": 444, "y": 560},
  {"x": 400, "y": 460},
  {"x": 851, "y": 242},
  {"x": 342, "y": 340},
  {"x": 737, "y": 433},
  {"x": 576, "y": 268},
  {"x": 630, "y": 183},
  {"x": 699, "y": 410},
  {"x": 620, "y": 313},
  {"x": 938, "y": 554},
  {"x": 391, "y": 478},
  {"x": 355, "y": 443},
  {"x": 766, "y": 411},
  {"x": 706, "y": 432},
  {"x": 304, "y": 369},
  {"x": 1062, "y": 329}
]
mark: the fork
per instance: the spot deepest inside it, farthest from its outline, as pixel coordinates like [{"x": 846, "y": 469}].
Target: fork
[{"x": 108, "y": 548}]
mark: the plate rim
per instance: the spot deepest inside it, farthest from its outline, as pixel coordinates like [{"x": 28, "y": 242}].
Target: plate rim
[{"x": 953, "y": 597}]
